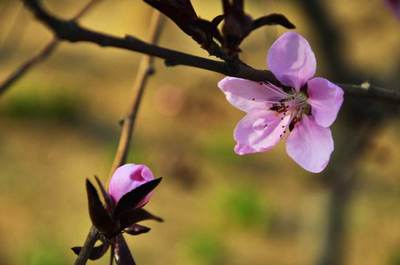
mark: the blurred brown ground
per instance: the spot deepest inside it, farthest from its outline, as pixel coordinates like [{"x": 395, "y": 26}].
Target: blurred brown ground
[{"x": 59, "y": 125}]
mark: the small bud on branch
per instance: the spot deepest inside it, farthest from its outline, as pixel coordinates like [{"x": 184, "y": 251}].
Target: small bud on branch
[{"x": 130, "y": 189}]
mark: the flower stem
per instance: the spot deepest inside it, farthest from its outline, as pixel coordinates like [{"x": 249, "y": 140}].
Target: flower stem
[
  {"x": 88, "y": 246},
  {"x": 144, "y": 72}
]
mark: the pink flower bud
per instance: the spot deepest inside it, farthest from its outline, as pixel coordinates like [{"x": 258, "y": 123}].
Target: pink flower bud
[{"x": 127, "y": 178}]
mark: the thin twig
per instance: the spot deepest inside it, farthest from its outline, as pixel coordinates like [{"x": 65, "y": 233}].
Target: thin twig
[
  {"x": 146, "y": 69},
  {"x": 48, "y": 49},
  {"x": 24, "y": 68},
  {"x": 71, "y": 31},
  {"x": 89, "y": 6}
]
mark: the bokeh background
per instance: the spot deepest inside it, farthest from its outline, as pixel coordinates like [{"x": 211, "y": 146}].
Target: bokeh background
[{"x": 59, "y": 125}]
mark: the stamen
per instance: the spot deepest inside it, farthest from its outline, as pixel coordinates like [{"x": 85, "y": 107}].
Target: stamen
[{"x": 276, "y": 89}]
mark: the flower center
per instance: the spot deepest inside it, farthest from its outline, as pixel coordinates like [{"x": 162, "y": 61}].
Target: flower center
[{"x": 295, "y": 105}]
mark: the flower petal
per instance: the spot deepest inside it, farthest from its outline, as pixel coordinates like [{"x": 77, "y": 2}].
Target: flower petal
[
  {"x": 292, "y": 60},
  {"x": 310, "y": 145},
  {"x": 259, "y": 131},
  {"x": 325, "y": 99},
  {"x": 128, "y": 177},
  {"x": 248, "y": 95}
]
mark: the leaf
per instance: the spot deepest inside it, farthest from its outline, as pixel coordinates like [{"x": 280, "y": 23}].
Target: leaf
[
  {"x": 107, "y": 198},
  {"x": 97, "y": 252},
  {"x": 134, "y": 216},
  {"x": 272, "y": 19},
  {"x": 134, "y": 197},
  {"x": 136, "y": 229},
  {"x": 101, "y": 219},
  {"x": 122, "y": 253}
]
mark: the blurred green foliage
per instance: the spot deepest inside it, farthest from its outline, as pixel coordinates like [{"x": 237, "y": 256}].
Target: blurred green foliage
[
  {"x": 44, "y": 253},
  {"x": 244, "y": 206},
  {"x": 56, "y": 107},
  {"x": 207, "y": 249},
  {"x": 394, "y": 258}
]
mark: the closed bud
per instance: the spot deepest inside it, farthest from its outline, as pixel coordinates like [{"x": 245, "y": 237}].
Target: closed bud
[{"x": 128, "y": 177}]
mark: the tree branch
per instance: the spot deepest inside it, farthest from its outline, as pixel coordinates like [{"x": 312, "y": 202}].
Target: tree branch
[
  {"x": 73, "y": 32},
  {"x": 26, "y": 66},
  {"x": 42, "y": 55},
  {"x": 367, "y": 90},
  {"x": 146, "y": 69}
]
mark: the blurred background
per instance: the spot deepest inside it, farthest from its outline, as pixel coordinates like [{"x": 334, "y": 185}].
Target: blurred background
[{"x": 59, "y": 125}]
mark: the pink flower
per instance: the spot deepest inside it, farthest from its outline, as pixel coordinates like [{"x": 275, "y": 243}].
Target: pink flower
[
  {"x": 301, "y": 111},
  {"x": 127, "y": 178},
  {"x": 395, "y": 6}
]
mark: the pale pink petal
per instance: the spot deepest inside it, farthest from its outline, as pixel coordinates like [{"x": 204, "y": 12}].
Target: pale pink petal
[
  {"x": 292, "y": 60},
  {"x": 248, "y": 95},
  {"x": 259, "y": 131},
  {"x": 325, "y": 99},
  {"x": 128, "y": 177},
  {"x": 310, "y": 145}
]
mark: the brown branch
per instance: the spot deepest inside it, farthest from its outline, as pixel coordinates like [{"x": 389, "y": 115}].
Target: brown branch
[
  {"x": 24, "y": 68},
  {"x": 71, "y": 31},
  {"x": 370, "y": 91},
  {"x": 48, "y": 49},
  {"x": 146, "y": 69}
]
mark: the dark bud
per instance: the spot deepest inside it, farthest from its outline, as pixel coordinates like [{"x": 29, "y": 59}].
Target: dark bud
[
  {"x": 136, "y": 229},
  {"x": 179, "y": 11},
  {"x": 100, "y": 217},
  {"x": 238, "y": 25},
  {"x": 182, "y": 13}
]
